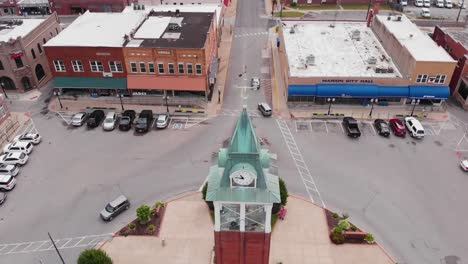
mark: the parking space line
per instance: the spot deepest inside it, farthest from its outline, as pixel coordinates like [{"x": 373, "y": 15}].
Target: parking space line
[
  {"x": 326, "y": 126},
  {"x": 94, "y": 242},
  {"x": 373, "y": 129},
  {"x": 11, "y": 250}
]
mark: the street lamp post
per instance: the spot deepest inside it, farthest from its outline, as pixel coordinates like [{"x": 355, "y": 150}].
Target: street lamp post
[
  {"x": 372, "y": 106},
  {"x": 120, "y": 97},
  {"x": 219, "y": 95},
  {"x": 167, "y": 105},
  {"x": 459, "y": 11},
  {"x": 414, "y": 102},
  {"x": 3, "y": 89},
  {"x": 57, "y": 93},
  {"x": 330, "y": 100}
]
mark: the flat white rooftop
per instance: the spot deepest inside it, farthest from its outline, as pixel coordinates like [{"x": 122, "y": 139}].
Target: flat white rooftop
[
  {"x": 153, "y": 28},
  {"x": 418, "y": 43},
  {"x": 18, "y": 30},
  {"x": 203, "y": 8},
  {"x": 97, "y": 30},
  {"x": 336, "y": 52}
]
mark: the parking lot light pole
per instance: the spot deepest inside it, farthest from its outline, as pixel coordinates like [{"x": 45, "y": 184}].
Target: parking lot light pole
[
  {"x": 120, "y": 97},
  {"x": 167, "y": 105},
  {"x": 414, "y": 102},
  {"x": 57, "y": 93},
  {"x": 330, "y": 100},
  {"x": 56, "y": 249},
  {"x": 372, "y": 106},
  {"x": 3, "y": 89},
  {"x": 459, "y": 11}
]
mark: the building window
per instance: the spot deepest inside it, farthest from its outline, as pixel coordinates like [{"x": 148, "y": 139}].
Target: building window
[
  {"x": 422, "y": 78},
  {"x": 142, "y": 67},
  {"x": 51, "y": 34},
  {"x": 198, "y": 68},
  {"x": 56, "y": 30},
  {"x": 133, "y": 66},
  {"x": 151, "y": 67},
  {"x": 44, "y": 40},
  {"x": 171, "y": 68},
  {"x": 189, "y": 68},
  {"x": 115, "y": 66},
  {"x": 440, "y": 79},
  {"x": 181, "y": 68},
  {"x": 463, "y": 90},
  {"x": 33, "y": 53},
  {"x": 39, "y": 48},
  {"x": 96, "y": 66},
  {"x": 161, "y": 67},
  {"x": 77, "y": 66},
  {"x": 1, "y": 66},
  {"x": 59, "y": 66},
  {"x": 19, "y": 62}
]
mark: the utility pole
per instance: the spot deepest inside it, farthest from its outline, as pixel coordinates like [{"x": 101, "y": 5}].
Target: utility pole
[
  {"x": 58, "y": 97},
  {"x": 459, "y": 11},
  {"x": 167, "y": 106},
  {"x": 3, "y": 88},
  {"x": 120, "y": 97},
  {"x": 56, "y": 249}
]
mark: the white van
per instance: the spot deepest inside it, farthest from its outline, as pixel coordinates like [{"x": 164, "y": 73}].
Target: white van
[
  {"x": 419, "y": 3},
  {"x": 448, "y": 3},
  {"x": 427, "y": 3},
  {"x": 439, "y": 3},
  {"x": 425, "y": 12},
  {"x": 403, "y": 2},
  {"x": 414, "y": 127}
]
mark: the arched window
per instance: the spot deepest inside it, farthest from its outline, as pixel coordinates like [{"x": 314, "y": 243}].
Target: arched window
[
  {"x": 39, "y": 47},
  {"x": 33, "y": 53}
]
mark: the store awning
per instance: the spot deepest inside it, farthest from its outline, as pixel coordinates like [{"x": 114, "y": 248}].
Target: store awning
[
  {"x": 393, "y": 91},
  {"x": 429, "y": 92},
  {"x": 33, "y": 3},
  {"x": 302, "y": 90},
  {"x": 151, "y": 82},
  {"x": 90, "y": 83},
  {"x": 347, "y": 90}
]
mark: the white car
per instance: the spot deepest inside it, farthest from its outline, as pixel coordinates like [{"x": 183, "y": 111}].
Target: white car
[
  {"x": 162, "y": 121},
  {"x": 79, "y": 119},
  {"x": 255, "y": 83},
  {"x": 7, "y": 182},
  {"x": 9, "y": 170},
  {"x": 19, "y": 146},
  {"x": 14, "y": 158},
  {"x": 110, "y": 121},
  {"x": 414, "y": 127},
  {"x": 464, "y": 165},
  {"x": 425, "y": 12},
  {"x": 29, "y": 137}
]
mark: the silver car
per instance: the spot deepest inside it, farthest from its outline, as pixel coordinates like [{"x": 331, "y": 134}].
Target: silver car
[
  {"x": 79, "y": 119},
  {"x": 162, "y": 121},
  {"x": 114, "y": 208}
]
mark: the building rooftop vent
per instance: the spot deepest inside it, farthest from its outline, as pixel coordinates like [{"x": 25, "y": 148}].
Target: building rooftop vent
[
  {"x": 356, "y": 35},
  {"x": 173, "y": 26},
  {"x": 398, "y": 18},
  {"x": 372, "y": 60},
  {"x": 310, "y": 60}
]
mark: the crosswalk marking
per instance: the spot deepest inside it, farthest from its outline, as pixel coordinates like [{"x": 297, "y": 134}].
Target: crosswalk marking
[{"x": 251, "y": 34}]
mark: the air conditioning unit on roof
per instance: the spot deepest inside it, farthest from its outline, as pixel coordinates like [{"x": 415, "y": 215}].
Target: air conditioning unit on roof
[{"x": 107, "y": 74}]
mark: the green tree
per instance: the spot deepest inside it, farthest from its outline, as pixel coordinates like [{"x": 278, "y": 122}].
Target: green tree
[
  {"x": 94, "y": 256},
  {"x": 283, "y": 192},
  {"x": 143, "y": 214}
]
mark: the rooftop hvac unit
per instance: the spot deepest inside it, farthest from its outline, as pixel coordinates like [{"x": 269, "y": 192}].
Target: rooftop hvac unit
[
  {"x": 356, "y": 35},
  {"x": 372, "y": 60},
  {"x": 173, "y": 26},
  {"x": 398, "y": 18},
  {"x": 310, "y": 60},
  {"x": 292, "y": 31}
]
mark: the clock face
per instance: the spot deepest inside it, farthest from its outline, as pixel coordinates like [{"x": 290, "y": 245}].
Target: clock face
[{"x": 243, "y": 177}]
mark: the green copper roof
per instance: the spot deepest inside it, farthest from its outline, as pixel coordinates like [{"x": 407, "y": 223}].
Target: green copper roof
[{"x": 244, "y": 152}]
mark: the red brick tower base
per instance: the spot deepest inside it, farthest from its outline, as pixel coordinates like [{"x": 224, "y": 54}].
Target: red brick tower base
[{"x": 242, "y": 247}]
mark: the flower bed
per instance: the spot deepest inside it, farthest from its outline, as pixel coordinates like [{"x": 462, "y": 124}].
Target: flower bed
[
  {"x": 350, "y": 235},
  {"x": 144, "y": 229}
]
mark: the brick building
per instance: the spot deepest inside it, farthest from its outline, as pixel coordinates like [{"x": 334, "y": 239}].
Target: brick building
[
  {"x": 8, "y": 7},
  {"x": 391, "y": 62},
  {"x": 68, "y": 7},
  {"x": 455, "y": 42},
  {"x": 23, "y": 63}
]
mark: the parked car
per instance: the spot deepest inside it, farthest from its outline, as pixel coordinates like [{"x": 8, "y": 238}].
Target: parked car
[
  {"x": 448, "y": 3},
  {"x": 19, "y": 146},
  {"x": 397, "y": 127},
  {"x": 351, "y": 126},
  {"x": 414, "y": 127},
  {"x": 425, "y": 12},
  {"x": 79, "y": 119},
  {"x": 265, "y": 109},
  {"x": 8, "y": 169},
  {"x": 255, "y": 83},
  {"x": 382, "y": 127},
  {"x": 14, "y": 158},
  {"x": 403, "y": 2},
  {"x": 144, "y": 121},
  {"x": 109, "y": 121},
  {"x": 419, "y": 3},
  {"x": 114, "y": 208},
  {"x": 162, "y": 121},
  {"x": 126, "y": 120},
  {"x": 7, "y": 182},
  {"x": 29, "y": 137},
  {"x": 464, "y": 165},
  {"x": 95, "y": 118},
  {"x": 3, "y": 197}
]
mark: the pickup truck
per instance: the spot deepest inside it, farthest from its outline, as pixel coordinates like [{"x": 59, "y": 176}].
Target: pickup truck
[{"x": 351, "y": 127}]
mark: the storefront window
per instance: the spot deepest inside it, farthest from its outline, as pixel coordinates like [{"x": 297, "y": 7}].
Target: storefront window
[{"x": 463, "y": 90}]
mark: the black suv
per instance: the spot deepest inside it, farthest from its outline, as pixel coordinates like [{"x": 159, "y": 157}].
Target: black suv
[
  {"x": 126, "y": 120},
  {"x": 144, "y": 121},
  {"x": 95, "y": 118}
]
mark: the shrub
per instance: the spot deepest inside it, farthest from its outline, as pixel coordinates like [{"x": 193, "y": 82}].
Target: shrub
[
  {"x": 283, "y": 192},
  {"x": 337, "y": 235},
  {"x": 143, "y": 214},
  {"x": 345, "y": 216},
  {"x": 131, "y": 226},
  {"x": 335, "y": 215},
  {"x": 344, "y": 224},
  {"x": 369, "y": 238},
  {"x": 151, "y": 228},
  {"x": 159, "y": 204},
  {"x": 94, "y": 256},
  {"x": 293, "y": 4}
]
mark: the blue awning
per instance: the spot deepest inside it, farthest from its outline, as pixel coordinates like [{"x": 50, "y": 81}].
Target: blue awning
[
  {"x": 393, "y": 91},
  {"x": 302, "y": 90},
  {"x": 429, "y": 92},
  {"x": 347, "y": 90}
]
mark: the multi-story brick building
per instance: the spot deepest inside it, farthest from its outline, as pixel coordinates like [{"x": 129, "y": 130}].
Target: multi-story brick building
[
  {"x": 23, "y": 63},
  {"x": 455, "y": 42},
  {"x": 68, "y": 7},
  {"x": 8, "y": 7}
]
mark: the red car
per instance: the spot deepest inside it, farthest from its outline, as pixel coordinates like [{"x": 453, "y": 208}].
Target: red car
[{"x": 397, "y": 127}]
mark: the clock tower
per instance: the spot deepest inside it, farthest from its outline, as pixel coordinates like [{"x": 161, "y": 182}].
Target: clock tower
[{"x": 243, "y": 191}]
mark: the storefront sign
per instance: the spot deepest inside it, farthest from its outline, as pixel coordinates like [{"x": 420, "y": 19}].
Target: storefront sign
[
  {"x": 103, "y": 54},
  {"x": 17, "y": 55},
  {"x": 164, "y": 52},
  {"x": 346, "y": 81}
]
